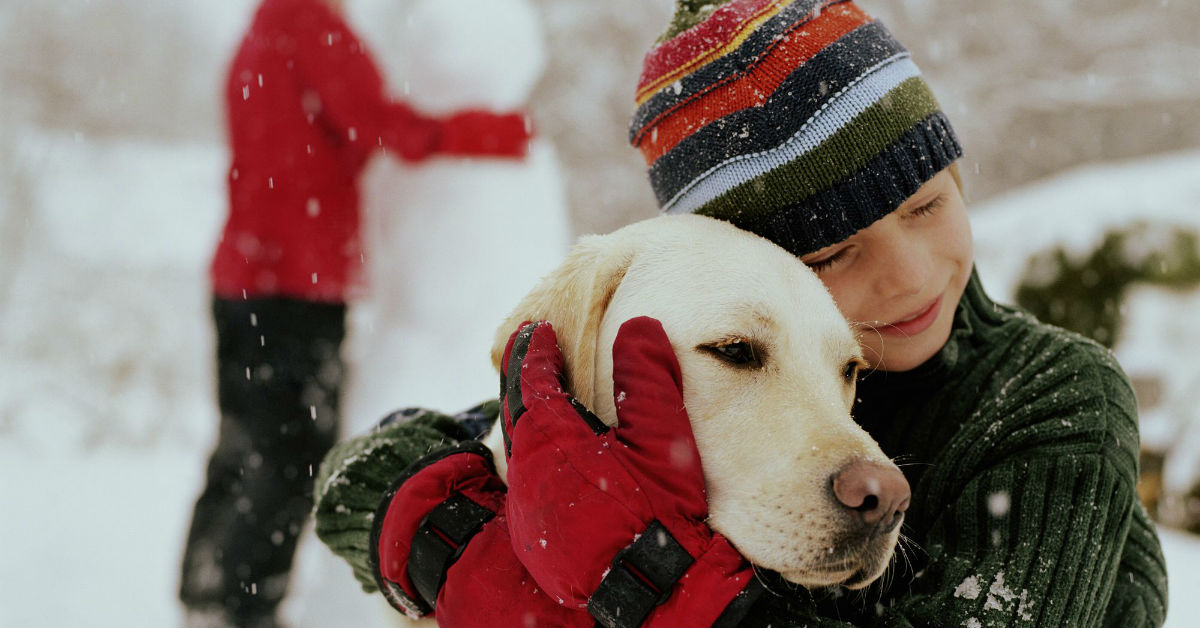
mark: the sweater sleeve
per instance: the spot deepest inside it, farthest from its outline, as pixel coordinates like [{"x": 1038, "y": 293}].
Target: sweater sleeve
[
  {"x": 1038, "y": 512},
  {"x": 355, "y": 475}
]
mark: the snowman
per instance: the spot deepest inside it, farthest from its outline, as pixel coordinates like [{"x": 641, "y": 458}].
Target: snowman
[{"x": 451, "y": 244}]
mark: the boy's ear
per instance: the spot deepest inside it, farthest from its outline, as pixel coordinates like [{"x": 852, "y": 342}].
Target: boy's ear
[{"x": 573, "y": 298}]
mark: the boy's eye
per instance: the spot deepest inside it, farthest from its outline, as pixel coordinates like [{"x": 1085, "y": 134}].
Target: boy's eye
[
  {"x": 928, "y": 208},
  {"x": 827, "y": 262}
]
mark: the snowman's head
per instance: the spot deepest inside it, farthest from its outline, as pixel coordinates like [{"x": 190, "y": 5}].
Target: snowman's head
[{"x": 470, "y": 53}]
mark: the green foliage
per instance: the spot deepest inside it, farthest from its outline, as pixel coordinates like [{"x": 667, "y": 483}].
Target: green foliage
[
  {"x": 688, "y": 13},
  {"x": 1086, "y": 294}
]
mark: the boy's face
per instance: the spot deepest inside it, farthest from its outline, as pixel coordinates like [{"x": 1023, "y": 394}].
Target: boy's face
[{"x": 899, "y": 280}]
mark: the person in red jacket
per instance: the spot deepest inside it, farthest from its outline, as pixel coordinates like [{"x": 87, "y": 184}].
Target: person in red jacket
[{"x": 306, "y": 109}]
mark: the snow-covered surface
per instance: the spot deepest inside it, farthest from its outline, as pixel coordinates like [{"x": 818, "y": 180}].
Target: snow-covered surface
[
  {"x": 106, "y": 410},
  {"x": 1076, "y": 208}
]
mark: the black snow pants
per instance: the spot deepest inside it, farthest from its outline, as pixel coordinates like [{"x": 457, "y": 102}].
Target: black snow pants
[{"x": 279, "y": 375}]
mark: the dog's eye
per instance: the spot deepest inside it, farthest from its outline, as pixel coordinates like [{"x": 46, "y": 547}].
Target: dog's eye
[
  {"x": 850, "y": 371},
  {"x": 737, "y": 353}
]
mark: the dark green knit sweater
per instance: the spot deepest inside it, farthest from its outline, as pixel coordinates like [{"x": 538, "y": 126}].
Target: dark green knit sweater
[{"x": 1020, "y": 441}]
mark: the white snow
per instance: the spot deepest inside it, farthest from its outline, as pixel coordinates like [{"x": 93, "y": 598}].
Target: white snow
[
  {"x": 1076, "y": 208},
  {"x": 999, "y": 595},
  {"x": 106, "y": 409},
  {"x": 968, "y": 589}
]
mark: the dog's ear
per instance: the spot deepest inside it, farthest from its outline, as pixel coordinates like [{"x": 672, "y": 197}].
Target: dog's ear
[{"x": 573, "y": 298}]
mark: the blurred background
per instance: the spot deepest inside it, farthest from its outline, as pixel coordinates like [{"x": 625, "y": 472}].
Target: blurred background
[{"x": 1080, "y": 120}]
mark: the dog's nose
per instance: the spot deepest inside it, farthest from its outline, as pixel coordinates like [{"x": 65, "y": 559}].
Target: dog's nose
[{"x": 877, "y": 494}]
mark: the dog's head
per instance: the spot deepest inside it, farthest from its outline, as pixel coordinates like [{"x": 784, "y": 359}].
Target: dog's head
[{"x": 769, "y": 369}]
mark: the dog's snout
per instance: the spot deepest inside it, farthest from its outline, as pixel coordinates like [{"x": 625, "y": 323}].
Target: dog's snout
[{"x": 877, "y": 495}]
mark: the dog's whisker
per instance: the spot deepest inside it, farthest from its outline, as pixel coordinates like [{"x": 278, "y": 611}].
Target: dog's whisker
[
  {"x": 904, "y": 538},
  {"x": 885, "y": 581},
  {"x": 875, "y": 325},
  {"x": 903, "y": 461},
  {"x": 855, "y": 326},
  {"x": 903, "y": 555},
  {"x": 764, "y": 581},
  {"x": 909, "y": 547}
]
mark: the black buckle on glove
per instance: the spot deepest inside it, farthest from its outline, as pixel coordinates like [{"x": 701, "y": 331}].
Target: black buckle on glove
[
  {"x": 643, "y": 576},
  {"x": 440, "y": 540}
]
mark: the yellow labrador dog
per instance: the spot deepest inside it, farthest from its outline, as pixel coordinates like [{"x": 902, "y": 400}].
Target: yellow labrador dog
[{"x": 769, "y": 368}]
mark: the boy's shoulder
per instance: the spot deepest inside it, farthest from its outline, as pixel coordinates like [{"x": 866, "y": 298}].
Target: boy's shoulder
[
  {"x": 1041, "y": 385},
  {"x": 1054, "y": 356}
]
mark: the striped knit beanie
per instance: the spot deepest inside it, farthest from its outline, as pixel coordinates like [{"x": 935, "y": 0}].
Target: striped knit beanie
[{"x": 803, "y": 121}]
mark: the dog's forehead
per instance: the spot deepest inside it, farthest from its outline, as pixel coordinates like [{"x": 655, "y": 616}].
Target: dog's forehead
[
  {"x": 721, "y": 257},
  {"x": 725, "y": 276}
]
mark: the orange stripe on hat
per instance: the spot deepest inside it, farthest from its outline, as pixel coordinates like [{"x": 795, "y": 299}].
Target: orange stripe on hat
[
  {"x": 723, "y": 31},
  {"x": 751, "y": 88}
]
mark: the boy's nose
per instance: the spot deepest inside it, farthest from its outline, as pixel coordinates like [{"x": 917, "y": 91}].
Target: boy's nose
[{"x": 902, "y": 267}]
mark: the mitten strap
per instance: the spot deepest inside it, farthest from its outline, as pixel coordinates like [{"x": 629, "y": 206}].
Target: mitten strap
[
  {"x": 643, "y": 575},
  {"x": 437, "y": 540},
  {"x": 736, "y": 611},
  {"x": 440, "y": 540},
  {"x": 646, "y": 573}
]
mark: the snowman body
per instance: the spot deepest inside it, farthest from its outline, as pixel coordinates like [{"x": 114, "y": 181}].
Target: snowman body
[{"x": 452, "y": 244}]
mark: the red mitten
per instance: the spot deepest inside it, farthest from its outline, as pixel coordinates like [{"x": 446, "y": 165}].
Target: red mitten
[
  {"x": 440, "y": 542},
  {"x": 413, "y": 136},
  {"x": 613, "y": 519},
  {"x": 484, "y": 134}
]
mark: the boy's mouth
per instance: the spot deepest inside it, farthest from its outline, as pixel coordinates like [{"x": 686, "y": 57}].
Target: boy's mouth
[{"x": 914, "y": 323}]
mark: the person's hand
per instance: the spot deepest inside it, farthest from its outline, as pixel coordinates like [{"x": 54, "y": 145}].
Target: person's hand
[
  {"x": 484, "y": 134},
  {"x": 613, "y": 519},
  {"x": 440, "y": 542}
]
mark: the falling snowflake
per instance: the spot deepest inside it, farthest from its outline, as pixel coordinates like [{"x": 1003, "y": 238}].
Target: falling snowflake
[{"x": 999, "y": 504}]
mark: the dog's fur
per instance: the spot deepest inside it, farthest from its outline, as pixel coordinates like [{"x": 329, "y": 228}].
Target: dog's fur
[{"x": 772, "y": 433}]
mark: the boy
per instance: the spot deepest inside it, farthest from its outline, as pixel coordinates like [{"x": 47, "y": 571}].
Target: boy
[{"x": 806, "y": 122}]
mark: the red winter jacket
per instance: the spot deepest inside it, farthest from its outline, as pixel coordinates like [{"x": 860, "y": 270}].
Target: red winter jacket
[{"x": 306, "y": 107}]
